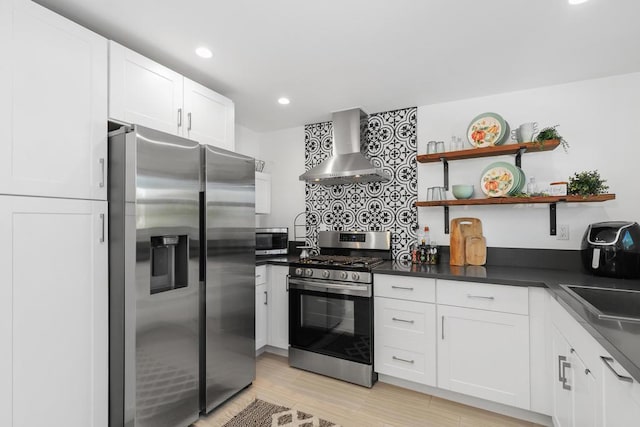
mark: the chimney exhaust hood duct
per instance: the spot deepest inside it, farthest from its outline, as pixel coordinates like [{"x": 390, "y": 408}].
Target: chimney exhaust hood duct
[{"x": 348, "y": 164}]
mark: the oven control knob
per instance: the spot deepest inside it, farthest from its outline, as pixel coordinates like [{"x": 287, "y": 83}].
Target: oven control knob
[
  {"x": 355, "y": 276},
  {"x": 308, "y": 272},
  {"x": 344, "y": 275},
  {"x": 298, "y": 272},
  {"x": 325, "y": 274}
]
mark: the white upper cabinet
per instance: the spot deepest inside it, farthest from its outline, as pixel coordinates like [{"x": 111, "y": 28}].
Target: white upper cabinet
[
  {"x": 53, "y": 105},
  {"x": 263, "y": 193},
  {"x": 144, "y": 92},
  {"x": 209, "y": 116}
]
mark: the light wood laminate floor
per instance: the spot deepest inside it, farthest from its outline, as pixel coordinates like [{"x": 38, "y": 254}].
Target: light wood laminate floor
[{"x": 349, "y": 405}]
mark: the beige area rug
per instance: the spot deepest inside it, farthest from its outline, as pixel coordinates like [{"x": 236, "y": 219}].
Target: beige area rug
[{"x": 264, "y": 414}]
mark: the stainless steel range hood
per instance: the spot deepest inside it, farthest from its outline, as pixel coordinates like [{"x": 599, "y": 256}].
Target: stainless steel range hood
[{"x": 348, "y": 164}]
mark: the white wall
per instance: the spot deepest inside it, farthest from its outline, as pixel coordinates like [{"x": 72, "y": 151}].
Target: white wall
[
  {"x": 597, "y": 117},
  {"x": 247, "y": 141},
  {"x": 283, "y": 152}
]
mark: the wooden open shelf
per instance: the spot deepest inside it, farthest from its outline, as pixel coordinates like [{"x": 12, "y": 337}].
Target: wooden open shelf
[
  {"x": 519, "y": 200},
  {"x": 497, "y": 150}
]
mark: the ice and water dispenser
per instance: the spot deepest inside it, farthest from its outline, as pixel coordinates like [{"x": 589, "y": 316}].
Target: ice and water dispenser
[{"x": 169, "y": 263}]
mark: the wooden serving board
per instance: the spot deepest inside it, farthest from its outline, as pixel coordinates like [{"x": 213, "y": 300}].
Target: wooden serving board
[
  {"x": 460, "y": 229},
  {"x": 475, "y": 250}
]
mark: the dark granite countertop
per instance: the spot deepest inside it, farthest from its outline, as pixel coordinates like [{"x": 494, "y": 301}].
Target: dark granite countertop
[{"x": 620, "y": 339}]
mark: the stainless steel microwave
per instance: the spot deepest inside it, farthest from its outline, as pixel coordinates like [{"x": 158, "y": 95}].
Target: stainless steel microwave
[{"x": 272, "y": 241}]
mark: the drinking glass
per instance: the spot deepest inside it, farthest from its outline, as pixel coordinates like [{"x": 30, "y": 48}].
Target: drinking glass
[
  {"x": 431, "y": 147},
  {"x": 440, "y": 147}
]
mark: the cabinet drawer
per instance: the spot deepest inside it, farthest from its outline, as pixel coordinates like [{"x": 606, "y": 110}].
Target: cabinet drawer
[
  {"x": 400, "y": 363},
  {"x": 507, "y": 299},
  {"x": 406, "y": 288},
  {"x": 401, "y": 315},
  {"x": 261, "y": 274}
]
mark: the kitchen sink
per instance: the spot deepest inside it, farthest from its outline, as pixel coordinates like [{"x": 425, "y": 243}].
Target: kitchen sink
[{"x": 608, "y": 303}]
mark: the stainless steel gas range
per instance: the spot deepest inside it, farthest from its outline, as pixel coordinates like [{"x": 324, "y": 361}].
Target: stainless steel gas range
[{"x": 331, "y": 305}]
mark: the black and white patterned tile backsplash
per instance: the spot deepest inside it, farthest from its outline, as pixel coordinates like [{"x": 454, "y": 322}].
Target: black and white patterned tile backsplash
[{"x": 374, "y": 206}]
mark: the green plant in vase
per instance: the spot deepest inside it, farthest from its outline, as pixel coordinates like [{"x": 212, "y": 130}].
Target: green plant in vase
[
  {"x": 587, "y": 183},
  {"x": 551, "y": 133}
]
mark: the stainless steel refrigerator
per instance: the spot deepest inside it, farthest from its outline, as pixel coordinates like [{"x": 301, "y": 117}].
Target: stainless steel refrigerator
[
  {"x": 229, "y": 318},
  {"x": 160, "y": 304}
]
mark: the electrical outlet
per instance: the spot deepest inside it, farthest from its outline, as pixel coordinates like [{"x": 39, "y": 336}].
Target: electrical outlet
[{"x": 563, "y": 232}]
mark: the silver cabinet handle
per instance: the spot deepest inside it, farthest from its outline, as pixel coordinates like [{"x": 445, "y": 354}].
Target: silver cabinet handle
[
  {"x": 188, "y": 121},
  {"x": 258, "y": 276},
  {"x": 562, "y": 376},
  {"x": 560, "y": 359},
  {"x": 101, "y": 185},
  {"x": 402, "y": 320},
  {"x": 564, "y": 379},
  {"x": 480, "y": 297},
  {"x": 607, "y": 361},
  {"x": 401, "y": 287},
  {"x": 442, "y": 327},
  {"x": 266, "y": 298},
  {"x": 402, "y": 360},
  {"x": 102, "y": 220},
  {"x": 179, "y": 117}
]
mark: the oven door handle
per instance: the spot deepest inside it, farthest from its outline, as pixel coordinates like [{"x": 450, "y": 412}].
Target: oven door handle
[{"x": 322, "y": 285}]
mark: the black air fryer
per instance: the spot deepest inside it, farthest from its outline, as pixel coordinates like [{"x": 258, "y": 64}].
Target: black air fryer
[{"x": 612, "y": 249}]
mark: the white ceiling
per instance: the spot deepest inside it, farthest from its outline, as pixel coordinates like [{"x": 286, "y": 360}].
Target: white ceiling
[{"x": 328, "y": 55}]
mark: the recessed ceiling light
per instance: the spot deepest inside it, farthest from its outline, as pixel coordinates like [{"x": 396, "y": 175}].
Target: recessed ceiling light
[
  {"x": 577, "y": 1},
  {"x": 203, "y": 52},
  {"x": 283, "y": 101}
]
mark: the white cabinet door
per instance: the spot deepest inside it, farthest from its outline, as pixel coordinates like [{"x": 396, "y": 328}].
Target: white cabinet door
[
  {"x": 263, "y": 193},
  {"x": 53, "y": 105},
  {"x": 262, "y": 300},
  {"x": 563, "y": 380},
  {"x": 620, "y": 395},
  {"x": 484, "y": 354},
  {"x": 585, "y": 395},
  {"x": 210, "y": 117},
  {"x": 278, "y": 307},
  {"x": 144, "y": 92},
  {"x": 575, "y": 396},
  {"x": 53, "y": 312}
]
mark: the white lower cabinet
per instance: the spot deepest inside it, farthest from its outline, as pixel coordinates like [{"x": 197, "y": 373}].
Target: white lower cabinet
[
  {"x": 484, "y": 354},
  {"x": 262, "y": 300},
  {"x": 53, "y": 312},
  {"x": 405, "y": 341},
  {"x": 574, "y": 387},
  {"x": 606, "y": 396},
  {"x": 619, "y": 395},
  {"x": 278, "y": 307}
]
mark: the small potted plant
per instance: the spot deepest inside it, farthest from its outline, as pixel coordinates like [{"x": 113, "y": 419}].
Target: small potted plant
[
  {"x": 551, "y": 133},
  {"x": 587, "y": 183}
]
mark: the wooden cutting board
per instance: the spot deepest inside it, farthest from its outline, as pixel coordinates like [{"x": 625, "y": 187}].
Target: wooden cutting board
[
  {"x": 460, "y": 229},
  {"x": 475, "y": 250}
]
